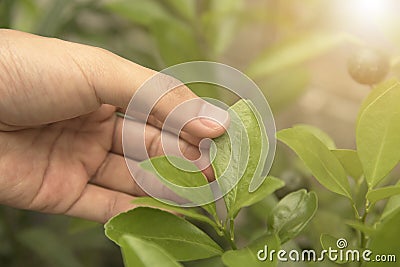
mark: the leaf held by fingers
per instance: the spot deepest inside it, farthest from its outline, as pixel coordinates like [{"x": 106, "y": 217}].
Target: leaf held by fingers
[{"x": 240, "y": 155}]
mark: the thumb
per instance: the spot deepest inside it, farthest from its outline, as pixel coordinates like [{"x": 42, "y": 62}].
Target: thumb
[
  {"x": 48, "y": 80},
  {"x": 167, "y": 103},
  {"x": 166, "y": 100}
]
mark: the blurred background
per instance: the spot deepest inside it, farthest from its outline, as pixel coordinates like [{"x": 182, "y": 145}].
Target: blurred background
[{"x": 296, "y": 51}]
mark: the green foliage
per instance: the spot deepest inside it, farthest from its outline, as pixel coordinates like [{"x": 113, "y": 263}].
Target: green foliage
[
  {"x": 350, "y": 162},
  {"x": 362, "y": 227},
  {"x": 186, "y": 8},
  {"x": 292, "y": 214},
  {"x": 392, "y": 206},
  {"x": 175, "y": 238},
  {"x": 234, "y": 157},
  {"x": 284, "y": 88},
  {"x": 181, "y": 179},
  {"x": 385, "y": 240},
  {"x": 175, "y": 39},
  {"x": 158, "y": 33},
  {"x": 319, "y": 159},
  {"x": 248, "y": 255},
  {"x": 5, "y": 15},
  {"x": 179, "y": 238},
  {"x": 140, "y": 253},
  {"x": 143, "y": 13},
  {"x": 193, "y": 213},
  {"x": 378, "y": 143},
  {"x": 321, "y": 135},
  {"x": 378, "y": 127},
  {"x": 175, "y": 50},
  {"x": 270, "y": 185},
  {"x": 220, "y": 23},
  {"x": 375, "y": 195},
  {"x": 329, "y": 241}
]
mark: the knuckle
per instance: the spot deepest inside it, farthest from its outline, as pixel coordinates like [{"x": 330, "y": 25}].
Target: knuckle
[
  {"x": 155, "y": 146},
  {"x": 167, "y": 81},
  {"x": 100, "y": 171},
  {"x": 111, "y": 207},
  {"x": 175, "y": 93}
]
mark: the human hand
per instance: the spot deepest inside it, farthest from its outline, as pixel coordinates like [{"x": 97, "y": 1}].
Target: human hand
[{"x": 60, "y": 140}]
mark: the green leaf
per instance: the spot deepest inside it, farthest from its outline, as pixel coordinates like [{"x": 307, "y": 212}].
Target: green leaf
[
  {"x": 243, "y": 158},
  {"x": 392, "y": 206},
  {"x": 187, "y": 181},
  {"x": 376, "y": 91},
  {"x": 385, "y": 241},
  {"x": 318, "y": 158},
  {"x": 248, "y": 255},
  {"x": 270, "y": 185},
  {"x": 378, "y": 128},
  {"x": 179, "y": 238},
  {"x": 292, "y": 214},
  {"x": 321, "y": 135},
  {"x": 143, "y": 13},
  {"x": 138, "y": 252},
  {"x": 292, "y": 52},
  {"x": 350, "y": 162},
  {"x": 49, "y": 246},
  {"x": 193, "y": 213},
  {"x": 361, "y": 227},
  {"x": 375, "y": 195}
]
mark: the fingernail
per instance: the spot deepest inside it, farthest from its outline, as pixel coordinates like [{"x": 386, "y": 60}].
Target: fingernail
[
  {"x": 213, "y": 117},
  {"x": 205, "y": 144}
]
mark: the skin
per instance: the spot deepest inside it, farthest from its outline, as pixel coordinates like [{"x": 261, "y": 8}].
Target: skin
[{"x": 60, "y": 140}]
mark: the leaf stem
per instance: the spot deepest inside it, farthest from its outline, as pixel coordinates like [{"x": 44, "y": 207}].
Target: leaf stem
[{"x": 356, "y": 213}]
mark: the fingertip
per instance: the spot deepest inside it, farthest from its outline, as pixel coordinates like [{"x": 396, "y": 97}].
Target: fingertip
[
  {"x": 211, "y": 122},
  {"x": 213, "y": 117},
  {"x": 199, "y": 129}
]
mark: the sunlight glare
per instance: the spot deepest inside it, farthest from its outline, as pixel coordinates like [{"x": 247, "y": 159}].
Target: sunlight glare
[{"x": 369, "y": 11}]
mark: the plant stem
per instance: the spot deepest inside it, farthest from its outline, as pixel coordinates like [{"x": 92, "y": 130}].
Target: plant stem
[
  {"x": 232, "y": 233},
  {"x": 363, "y": 238},
  {"x": 229, "y": 235},
  {"x": 231, "y": 243}
]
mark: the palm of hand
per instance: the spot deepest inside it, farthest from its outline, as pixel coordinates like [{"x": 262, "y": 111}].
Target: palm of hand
[{"x": 48, "y": 168}]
